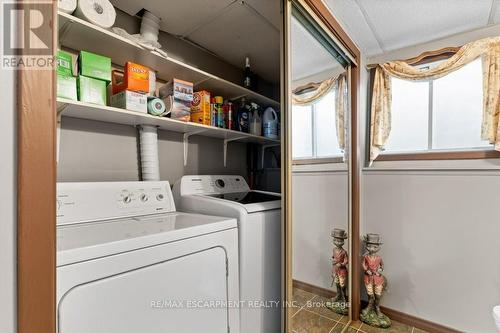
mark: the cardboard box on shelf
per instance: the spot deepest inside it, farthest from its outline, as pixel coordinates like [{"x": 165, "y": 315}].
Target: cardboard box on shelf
[
  {"x": 64, "y": 63},
  {"x": 182, "y": 97},
  {"x": 66, "y": 87},
  {"x": 130, "y": 100},
  {"x": 200, "y": 107},
  {"x": 94, "y": 66},
  {"x": 135, "y": 77},
  {"x": 91, "y": 90}
]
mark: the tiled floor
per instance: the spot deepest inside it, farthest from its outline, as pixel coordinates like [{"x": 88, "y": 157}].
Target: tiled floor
[{"x": 311, "y": 316}]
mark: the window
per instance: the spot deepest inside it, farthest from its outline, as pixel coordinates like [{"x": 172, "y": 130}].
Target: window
[
  {"x": 314, "y": 133},
  {"x": 438, "y": 115}
]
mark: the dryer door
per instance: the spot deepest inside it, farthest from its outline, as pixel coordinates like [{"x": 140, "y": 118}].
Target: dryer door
[{"x": 175, "y": 296}]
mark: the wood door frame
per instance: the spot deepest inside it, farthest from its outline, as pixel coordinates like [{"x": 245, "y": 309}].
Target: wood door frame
[
  {"x": 326, "y": 17},
  {"x": 36, "y": 188}
]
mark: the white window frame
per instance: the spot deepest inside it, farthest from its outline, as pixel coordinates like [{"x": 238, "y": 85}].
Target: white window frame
[
  {"x": 314, "y": 159},
  {"x": 437, "y": 154}
]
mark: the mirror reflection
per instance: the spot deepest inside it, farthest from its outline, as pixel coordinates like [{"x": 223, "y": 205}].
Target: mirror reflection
[{"x": 320, "y": 186}]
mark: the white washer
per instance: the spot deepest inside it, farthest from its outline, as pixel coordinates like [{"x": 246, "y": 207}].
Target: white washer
[
  {"x": 128, "y": 262},
  {"x": 259, "y": 224}
]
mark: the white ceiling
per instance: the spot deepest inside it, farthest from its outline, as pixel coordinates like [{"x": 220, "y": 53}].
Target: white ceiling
[
  {"x": 379, "y": 26},
  {"x": 231, "y": 29}
]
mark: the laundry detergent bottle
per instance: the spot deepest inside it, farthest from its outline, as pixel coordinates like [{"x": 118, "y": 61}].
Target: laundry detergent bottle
[
  {"x": 270, "y": 123},
  {"x": 255, "y": 121}
]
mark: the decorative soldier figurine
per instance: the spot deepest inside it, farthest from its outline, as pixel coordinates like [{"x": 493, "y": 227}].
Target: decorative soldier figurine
[
  {"x": 375, "y": 283},
  {"x": 340, "y": 260}
]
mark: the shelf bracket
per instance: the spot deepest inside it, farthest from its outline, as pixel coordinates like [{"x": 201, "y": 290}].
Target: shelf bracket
[
  {"x": 60, "y": 108},
  {"x": 263, "y": 151},
  {"x": 225, "y": 147},
  {"x": 185, "y": 141}
]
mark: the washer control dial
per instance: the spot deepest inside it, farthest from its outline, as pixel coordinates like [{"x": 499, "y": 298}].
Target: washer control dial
[
  {"x": 144, "y": 197},
  {"x": 220, "y": 183}
]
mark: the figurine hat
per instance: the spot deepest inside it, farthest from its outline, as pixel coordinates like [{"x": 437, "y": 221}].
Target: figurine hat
[
  {"x": 339, "y": 233},
  {"x": 372, "y": 239}
]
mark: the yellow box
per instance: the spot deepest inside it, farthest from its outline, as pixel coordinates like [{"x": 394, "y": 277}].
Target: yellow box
[{"x": 200, "y": 107}]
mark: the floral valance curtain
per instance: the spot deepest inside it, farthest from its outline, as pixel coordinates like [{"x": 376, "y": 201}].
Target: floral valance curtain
[
  {"x": 488, "y": 49},
  {"x": 339, "y": 84}
]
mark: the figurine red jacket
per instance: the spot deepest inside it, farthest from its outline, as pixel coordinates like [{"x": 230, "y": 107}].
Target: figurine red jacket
[
  {"x": 340, "y": 257},
  {"x": 373, "y": 264}
]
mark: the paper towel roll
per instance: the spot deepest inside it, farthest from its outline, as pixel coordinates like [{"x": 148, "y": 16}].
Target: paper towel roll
[
  {"x": 99, "y": 12},
  {"x": 67, "y": 6}
]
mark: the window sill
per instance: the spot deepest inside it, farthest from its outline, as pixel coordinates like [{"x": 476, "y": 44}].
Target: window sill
[
  {"x": 457, "y": 161},
  {"x": 440, "y": 155},
  {"x": 319, "y": 168},
  {"x": 311, "y": 161}
]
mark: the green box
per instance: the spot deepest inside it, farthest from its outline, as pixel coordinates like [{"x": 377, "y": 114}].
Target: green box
[
  {"x": 64, "y": 63},
  {"x": 91, "y": 90},
  {"x": 66, "y": 86},
  {"x": 94, "y": 66}
]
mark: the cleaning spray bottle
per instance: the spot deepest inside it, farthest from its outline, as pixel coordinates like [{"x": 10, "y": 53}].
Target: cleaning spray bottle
[{"x": 255, "y": 121}]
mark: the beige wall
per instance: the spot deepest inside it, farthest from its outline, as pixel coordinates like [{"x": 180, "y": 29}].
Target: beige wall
[
  {"x": 320, "y": 203},
  {"x": 438, "y": 222},
  {"x": 440, "y": 231},
  {"x": 97, "y": 151}
]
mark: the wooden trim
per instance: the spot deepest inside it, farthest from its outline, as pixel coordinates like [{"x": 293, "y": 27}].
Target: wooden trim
[
  {"x": 286, "y": 164},
  {"x": 36, "y": 193},
  {"x": 355, "y": 253},
  {"x": 309, "y": 161},
  {"x": 445, "y": 155},
  {"x": 434, "y": 55},
  {"x": 326, "y": 17},
  {"x": 426, "y": 57},
  {"x": 314, "y": 289},
  {"x": 320, "y": 9},
  {"x": 423, "y": 324},
  {"x": 311, "y": 86},
  {"x": 417, "y": 322}
]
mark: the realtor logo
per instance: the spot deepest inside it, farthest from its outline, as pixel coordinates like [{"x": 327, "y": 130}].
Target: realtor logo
[{"x": 27, "y": 35}]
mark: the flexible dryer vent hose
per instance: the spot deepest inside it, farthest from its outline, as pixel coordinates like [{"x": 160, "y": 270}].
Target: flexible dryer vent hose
[{"x": 148, "y": 145}]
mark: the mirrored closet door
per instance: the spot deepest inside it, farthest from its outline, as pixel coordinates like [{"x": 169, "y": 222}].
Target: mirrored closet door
[{"x": 319, "y": 117}]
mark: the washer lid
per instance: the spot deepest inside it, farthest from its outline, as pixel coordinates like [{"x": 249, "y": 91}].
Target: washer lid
[
  {"x": 246, "y": 198},
  {"x": 251, "y": 201},
  {"x": 80, "y": 242}
]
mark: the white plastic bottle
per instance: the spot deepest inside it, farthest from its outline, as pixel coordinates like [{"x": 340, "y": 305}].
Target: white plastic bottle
[
  {"x": 270, "y": 120},
  {"x": 255, "y": 121}
]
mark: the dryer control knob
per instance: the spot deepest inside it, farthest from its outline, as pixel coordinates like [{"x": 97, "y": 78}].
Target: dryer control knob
[
  {"x": 144, "y": 197},
  {"x": 159, "y": 197},
  {"x": 127, "y": 199},
  {"x": 220, "y": 183}
]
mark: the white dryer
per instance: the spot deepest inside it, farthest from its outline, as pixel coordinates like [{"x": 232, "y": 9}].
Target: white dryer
[
  {"x": 259, "y": 226},
  {"x": 127, "y": 262}
]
